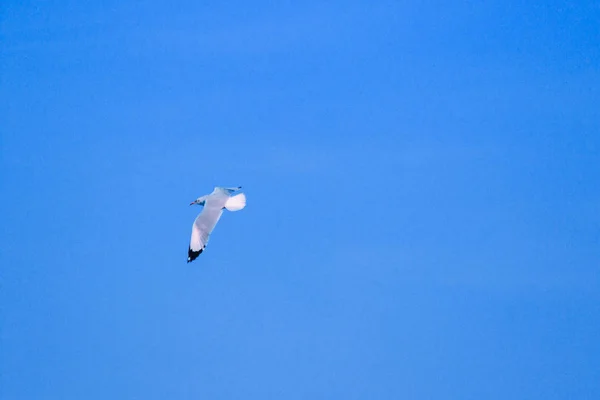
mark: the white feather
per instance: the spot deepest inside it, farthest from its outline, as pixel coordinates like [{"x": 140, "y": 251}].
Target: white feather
[{"x": 236, "y": 203}]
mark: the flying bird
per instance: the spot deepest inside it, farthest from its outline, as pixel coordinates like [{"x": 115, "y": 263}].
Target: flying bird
[{"x": 205, "y": 222}]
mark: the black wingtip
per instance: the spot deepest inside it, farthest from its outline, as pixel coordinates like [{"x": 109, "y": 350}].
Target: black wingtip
[{"x": 192, "y": 255}]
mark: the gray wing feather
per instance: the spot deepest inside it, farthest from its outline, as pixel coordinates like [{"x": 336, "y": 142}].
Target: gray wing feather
[{"x": 204, "y": 224}]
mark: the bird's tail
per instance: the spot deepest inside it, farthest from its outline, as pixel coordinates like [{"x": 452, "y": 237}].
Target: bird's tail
[{"x": 236, "y": 203}]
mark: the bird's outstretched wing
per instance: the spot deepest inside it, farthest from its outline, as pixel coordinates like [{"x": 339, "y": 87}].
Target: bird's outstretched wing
[{"x": 203, "y": 225}]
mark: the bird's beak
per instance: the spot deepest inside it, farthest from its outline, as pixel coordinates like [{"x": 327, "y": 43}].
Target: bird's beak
[{"x": 192, "y": 203}]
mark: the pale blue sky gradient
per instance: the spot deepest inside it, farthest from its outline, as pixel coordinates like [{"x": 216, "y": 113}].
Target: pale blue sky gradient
[{"x": 423, "y": 216}]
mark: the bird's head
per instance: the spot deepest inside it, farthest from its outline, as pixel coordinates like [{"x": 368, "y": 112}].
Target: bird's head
[{"x": 200, "y": 201}]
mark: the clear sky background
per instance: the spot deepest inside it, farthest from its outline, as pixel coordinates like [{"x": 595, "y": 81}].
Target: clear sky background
[{"x": 423, "y": 216}]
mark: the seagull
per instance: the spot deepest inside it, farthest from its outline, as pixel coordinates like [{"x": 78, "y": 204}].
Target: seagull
[{"x": 205, "y": 222}]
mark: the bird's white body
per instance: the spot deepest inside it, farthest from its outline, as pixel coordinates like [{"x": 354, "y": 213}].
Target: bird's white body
[{"x": 206, "y": 221}]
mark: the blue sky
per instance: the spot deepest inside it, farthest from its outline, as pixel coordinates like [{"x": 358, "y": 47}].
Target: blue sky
[{"x": 423, "y": 214}]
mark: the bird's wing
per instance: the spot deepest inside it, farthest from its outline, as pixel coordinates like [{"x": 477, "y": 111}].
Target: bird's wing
[
  {"x": 227, "y": 191},
  {"x": 203, "y": 225}
]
